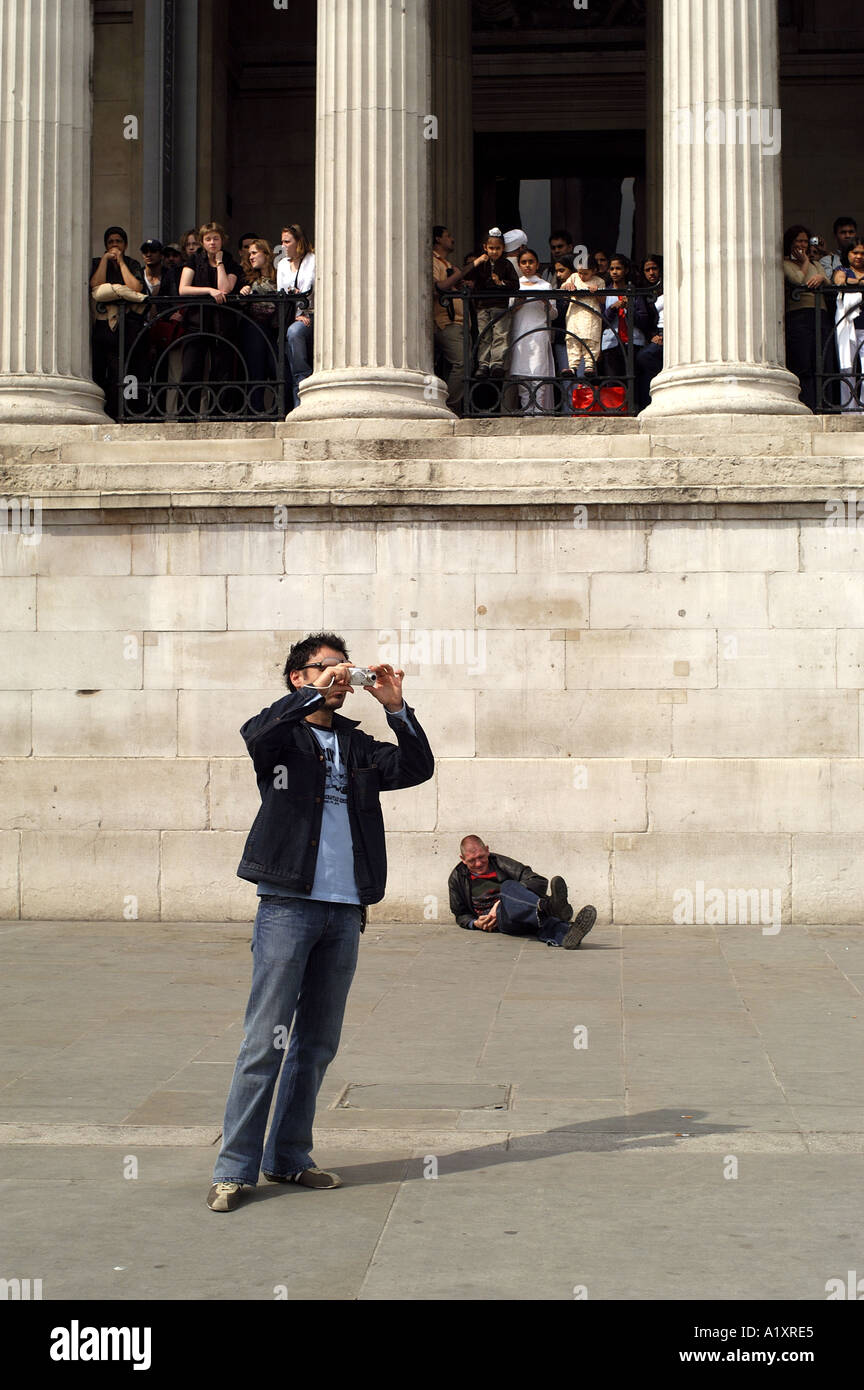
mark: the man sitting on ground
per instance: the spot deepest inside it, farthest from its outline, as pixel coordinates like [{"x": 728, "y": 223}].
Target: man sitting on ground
[{"x": 489, "y": 892}]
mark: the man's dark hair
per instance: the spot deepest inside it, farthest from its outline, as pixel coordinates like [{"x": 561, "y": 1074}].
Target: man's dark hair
[
  {"x": 562, "y": 234},
  {"x": 844, "y": 222},
  {"x": 302, "y": 652},
  {"x": 253, "y": 236},
  {"x": 437, "y": 231}
]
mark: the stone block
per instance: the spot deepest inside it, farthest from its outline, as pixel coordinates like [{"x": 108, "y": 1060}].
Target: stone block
[
  {"x": 828, "y": 878},
  {"x": 79, "y": 550},
  {"x": 829, "y": 599},
  {"x": 567, "y": 547},
  {"x": 646, "y": 660},
  {"x": 470, "y": 658},
  {"x": 104, "y": 793},
  {"x": 9, "y": 855},
  {"x": 689, "y": 546},
  {"x": 19, "y": 550},
  {"x": 773, "y": 658},
  {"x": 847, "y": 796},
  {"x": 829, "y": 546},
  {"x": 160, "y": 602},
  {"x": 234, "y": 799},
  {"x": 261, "y": 602},
  {"x": 17, "y": 605},
  {"x": 208, "y": 549},
  {"x": 199, "y": 880},
  {"x": 679, "y": 600},
  {"x": 850, "y": 658},
  {"x": 412, "y": 808},
  {"x": 102, "y": 874},
  {"x": 105, "y": 724},
  {"x": 430, "y": 602},
  {"x": 446, "y": 547},
  {"x": 577, "y": 724},
  {"x": 209, "y": 721},
  {"x": 652, "y": 873},
  {"x": 225, "y": 661},
  {"x": 15, "y": 735},
  {"x": 325, "y": 548},
  {"x": 73, "y": 660},
  {"x": 531, "y": 601},
  {"x": 545, "y": 794},
  {"x": 766, "y": 724},
  {"x": 756, "y": 795}
]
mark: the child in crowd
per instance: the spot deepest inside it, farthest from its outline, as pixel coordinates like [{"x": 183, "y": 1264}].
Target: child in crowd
[
  {"x": 531, "y": 350},
  {"x": 492, "y": 271},
  {"x": 584, "y": 320}
]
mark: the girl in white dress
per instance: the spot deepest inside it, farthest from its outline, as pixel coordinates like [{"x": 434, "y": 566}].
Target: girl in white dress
[{"x": 531, "y": 340}]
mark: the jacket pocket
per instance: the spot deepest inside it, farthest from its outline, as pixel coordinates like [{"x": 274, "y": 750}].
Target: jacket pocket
[{"x": 365, "y": 786}]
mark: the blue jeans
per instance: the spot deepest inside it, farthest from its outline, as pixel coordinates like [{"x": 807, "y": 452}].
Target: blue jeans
[
  {"x": 298, "y": 348},
  {"x": 304, "y": 954},
  {"x": 517, "y": 915}
]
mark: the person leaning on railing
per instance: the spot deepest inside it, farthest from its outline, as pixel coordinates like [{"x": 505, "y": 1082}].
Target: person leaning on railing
[
  {"x": 212, "y": 274},
  {"x": 295, "y": 274},
  {"x": 258, "y": 334},
  {"x": 112, "y": 268},
  {"x": 648, "y": 317},
  {"x": 804, "y": 320},
  {"x": 849, "y": 327},
  {"x": 616, "y": 334},
  {"x": 584, "y": 320}
]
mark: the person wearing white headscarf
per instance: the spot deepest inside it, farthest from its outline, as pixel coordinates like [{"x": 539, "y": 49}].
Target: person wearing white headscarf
[
  {"x": 849, "y": 329},
  {"x": 531, "y": 340}
]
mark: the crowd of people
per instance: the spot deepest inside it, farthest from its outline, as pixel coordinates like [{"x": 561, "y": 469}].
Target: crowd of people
[
  {"x": 576, "y": 332},
  {"x": 175, "y": 352},
  {"x": 825, "y": 331},
  {"x": 562, "y": 353}
]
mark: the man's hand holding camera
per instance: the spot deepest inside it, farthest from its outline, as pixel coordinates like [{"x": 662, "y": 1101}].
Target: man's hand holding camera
[{"x": 387, "y": 689}]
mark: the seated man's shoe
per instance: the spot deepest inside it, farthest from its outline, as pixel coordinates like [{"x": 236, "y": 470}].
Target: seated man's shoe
[
  {"x": 225, "y": 1196},
  {"x": 309, "y": 1177},
  {"x": 497, "y": 371},
  {"x": 481, "y": 372},
  {"x": 582, "y": 924},
  {"x": 558, "y": 900}
]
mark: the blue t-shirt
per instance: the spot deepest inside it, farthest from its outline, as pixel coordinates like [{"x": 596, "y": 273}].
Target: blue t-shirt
[{"x": 334, "y": 868}]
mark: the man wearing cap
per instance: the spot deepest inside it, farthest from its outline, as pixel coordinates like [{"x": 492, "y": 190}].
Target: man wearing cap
[{"x": 489, "y": 892}]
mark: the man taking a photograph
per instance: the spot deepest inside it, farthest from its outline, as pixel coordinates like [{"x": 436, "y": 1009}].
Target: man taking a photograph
[{"x": 317, "y": 853}]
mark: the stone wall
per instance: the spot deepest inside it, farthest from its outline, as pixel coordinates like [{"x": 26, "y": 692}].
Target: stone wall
[{"x": 643, "y": 696}]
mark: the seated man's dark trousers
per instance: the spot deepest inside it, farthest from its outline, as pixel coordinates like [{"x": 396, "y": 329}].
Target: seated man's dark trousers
[{"x": 518, "y": 915}]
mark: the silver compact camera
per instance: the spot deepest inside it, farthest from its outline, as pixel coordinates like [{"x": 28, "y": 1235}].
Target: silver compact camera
[{"x": 361, "y": 676}]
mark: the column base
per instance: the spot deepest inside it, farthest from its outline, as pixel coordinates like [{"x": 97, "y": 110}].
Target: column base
[
  {"x": 724, "y": 388},
  {"x": 50, "y": 400},
  {"x": 371, "y": 393}
]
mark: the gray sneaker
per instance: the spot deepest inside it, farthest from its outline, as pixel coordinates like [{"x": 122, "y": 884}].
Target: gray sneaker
[
  {"x": 582, "y": 924},
  {"x": 225, "y": 1196},
  {"x": 308, "y": 1177}
]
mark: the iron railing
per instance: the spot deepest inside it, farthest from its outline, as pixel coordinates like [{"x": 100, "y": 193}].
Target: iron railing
[
  {"x": 583, "y": 378},
  {"x": 185, "y": 357},
  {"x": 834, "y": 383}
]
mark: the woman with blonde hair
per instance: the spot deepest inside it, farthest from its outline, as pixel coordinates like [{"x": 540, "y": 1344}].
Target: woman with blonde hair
[
  {"x": 296, "y": 275},
  {"x": 259, "y": 330}
]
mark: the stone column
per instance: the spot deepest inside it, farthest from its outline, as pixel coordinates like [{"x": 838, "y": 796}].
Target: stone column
[
  {"x": 373, "y": 296},
  {"x": 724, "y": 347},
  {"x": 45, "y": 54},
  {"x": 453, "y": 147},
  {"x": 654, "y": 125}
]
